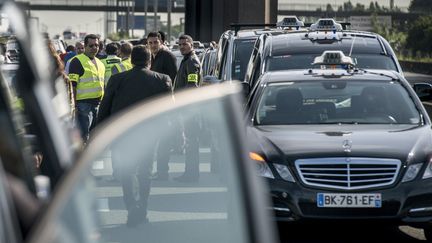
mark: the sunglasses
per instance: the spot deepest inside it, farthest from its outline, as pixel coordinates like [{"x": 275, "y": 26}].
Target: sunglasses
[{"x": 93, "y": 45}]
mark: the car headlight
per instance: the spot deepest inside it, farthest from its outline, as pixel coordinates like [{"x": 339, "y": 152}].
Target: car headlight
[
  {"x": 284, "y": 172},
  {"x": 428, "y": 171},
  {"x": 262, "y": 166},
  {"x": 411, "y": 172}
]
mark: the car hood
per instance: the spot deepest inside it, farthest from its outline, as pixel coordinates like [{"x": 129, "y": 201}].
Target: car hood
[{"x": 410, "y": 143}]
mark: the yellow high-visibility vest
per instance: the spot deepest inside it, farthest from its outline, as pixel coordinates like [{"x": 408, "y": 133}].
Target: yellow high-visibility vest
[
  {"x": 91, "y": 84},
  {"x": 109, "y": 62},
  {"x": 123, "y": 66}
]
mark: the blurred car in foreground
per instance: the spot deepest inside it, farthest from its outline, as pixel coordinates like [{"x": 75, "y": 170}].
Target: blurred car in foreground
[{"x": 84, "y": 207}]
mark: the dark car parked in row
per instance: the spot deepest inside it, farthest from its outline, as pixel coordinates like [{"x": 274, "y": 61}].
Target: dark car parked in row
[
  {"x": 297, "y": 49},
  {"x": 338, "y": 144}
]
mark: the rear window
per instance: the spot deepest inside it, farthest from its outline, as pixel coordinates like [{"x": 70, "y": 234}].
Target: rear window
[
  {"x": 242, "y": 53},
  {"x": 366, "y": 61}
]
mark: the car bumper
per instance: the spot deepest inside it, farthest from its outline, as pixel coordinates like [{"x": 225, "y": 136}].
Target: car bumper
[{"x": 407, "y": 203}]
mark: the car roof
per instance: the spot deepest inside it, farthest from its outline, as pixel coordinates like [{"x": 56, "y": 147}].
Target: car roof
[
  {"x": 252, "y": 33},
  {"x": 304, "y": 75},
  {"x": 298, "y": 42}
]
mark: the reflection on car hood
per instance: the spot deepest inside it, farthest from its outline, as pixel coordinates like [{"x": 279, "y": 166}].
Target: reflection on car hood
[{"x": 310, "y": 141}]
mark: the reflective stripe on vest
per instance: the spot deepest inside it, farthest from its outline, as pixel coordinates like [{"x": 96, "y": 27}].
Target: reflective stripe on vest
[
  {"x": 124, "y": 65},
  {"x": 109, "y": 62},
  {"x": 91, "y": 83}
]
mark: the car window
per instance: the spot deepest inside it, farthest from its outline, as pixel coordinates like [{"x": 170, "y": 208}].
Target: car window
[
  {"x": 324, "y": 102},
  {"x": 366, "y": 61},
  {"x": 242, "y": 53},
  {"x": 208, "y": 209}
]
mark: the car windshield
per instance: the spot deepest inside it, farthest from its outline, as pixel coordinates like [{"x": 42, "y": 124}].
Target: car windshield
[
  {"x": 207, "y": 208},
  {"x": 304, "y": 61},
  {"x": 242, "y": 53},
  {"x": 338, "y": 101}
]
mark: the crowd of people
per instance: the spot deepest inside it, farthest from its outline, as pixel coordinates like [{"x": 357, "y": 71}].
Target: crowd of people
[{"x": 103, "y": 80}]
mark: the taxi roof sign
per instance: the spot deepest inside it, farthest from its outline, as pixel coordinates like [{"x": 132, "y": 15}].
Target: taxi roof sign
[
  {"x": 290, "y": 21},
  {"x": 327, "y": 24},
  {"x": 333, "y": 58}
]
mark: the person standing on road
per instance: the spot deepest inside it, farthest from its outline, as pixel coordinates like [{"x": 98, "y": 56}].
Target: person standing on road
[
  {"x": 79, "y": 49},
  {"x": 125, "y": 55},
  {"x": 162, "y": 61},
  {"x": 123, "y": 90},
  {"x": 86, "y": 72},
  {"x": 189, "y": 75},
  {"x": 110, "y": 60}
]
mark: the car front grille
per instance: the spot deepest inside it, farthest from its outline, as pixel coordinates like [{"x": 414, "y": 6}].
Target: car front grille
[{"x": 348, "y": 173}]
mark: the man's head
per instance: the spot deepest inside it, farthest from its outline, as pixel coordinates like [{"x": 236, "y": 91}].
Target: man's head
[
  {"x": 154, "y": 42},
  {"x": 126, "y": 50},
  {"x": 140, "y": 56},
  {"x": 111, "y": 49},
  {"x": 70, "y": 48},
  {"x": 79, "y": 46},
  {"x": 91, "y": 45},
  {"x": 185, "y": 44}
]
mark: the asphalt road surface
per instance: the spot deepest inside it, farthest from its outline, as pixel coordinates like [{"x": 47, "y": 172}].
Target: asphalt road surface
[{"x": 336, "y": 233}]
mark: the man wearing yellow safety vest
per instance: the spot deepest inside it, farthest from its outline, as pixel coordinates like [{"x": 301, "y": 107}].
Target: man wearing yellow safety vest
[
  {"x": 111, "y": 60},
  {"x": 189, "y": 75},
  {"x": 86, "y": 73},
  {"x": 125, "y": 55}
]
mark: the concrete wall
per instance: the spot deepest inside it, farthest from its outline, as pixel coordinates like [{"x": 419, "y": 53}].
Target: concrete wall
[{"x": 207, "y": 19}]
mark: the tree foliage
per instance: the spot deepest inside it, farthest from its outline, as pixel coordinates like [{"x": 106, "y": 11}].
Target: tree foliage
[
  {"x": 420, "y": 6},
  {"x": 420, "y": 35}
]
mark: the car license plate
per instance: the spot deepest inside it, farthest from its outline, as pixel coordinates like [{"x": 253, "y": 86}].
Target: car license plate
[{"x": 349, "y": 200}]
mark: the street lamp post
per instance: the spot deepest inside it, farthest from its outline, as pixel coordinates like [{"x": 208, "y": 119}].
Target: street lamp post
[
  {"x": 169, "y": 3},
  {"x": 155, "y": 8},
  {"x": 145, "y": 16}
]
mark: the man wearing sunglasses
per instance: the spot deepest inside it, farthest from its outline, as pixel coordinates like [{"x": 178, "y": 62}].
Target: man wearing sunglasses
[{"x": 87, "y": 73}]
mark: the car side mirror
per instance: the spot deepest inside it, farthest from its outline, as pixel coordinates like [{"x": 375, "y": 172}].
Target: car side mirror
[
  {"x": 210, "y": 79},
  {"x": 423, "y": 91}
]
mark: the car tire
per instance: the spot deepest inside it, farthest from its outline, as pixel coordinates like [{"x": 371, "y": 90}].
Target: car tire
[{"x": 428, "y": 233}]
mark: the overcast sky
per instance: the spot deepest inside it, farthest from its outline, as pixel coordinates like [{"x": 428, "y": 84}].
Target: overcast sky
[{"x": 94, "y": 22}]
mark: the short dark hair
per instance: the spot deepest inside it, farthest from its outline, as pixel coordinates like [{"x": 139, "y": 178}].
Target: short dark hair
[
  {"x": 140, "y": 56},
  {"x": 163, "y": 35},
  {"x": 90, "y": 36},
  {"x": 126, "y": 48},
  {"x": 186, "y": 37},
  {"x": 111, "y": 49},
  {"x": 70, "y": 48},
  {"x": 154, "y": 34}
]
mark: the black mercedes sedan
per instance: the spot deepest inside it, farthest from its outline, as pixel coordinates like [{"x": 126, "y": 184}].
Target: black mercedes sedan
[{"x": 339, "y": 144}]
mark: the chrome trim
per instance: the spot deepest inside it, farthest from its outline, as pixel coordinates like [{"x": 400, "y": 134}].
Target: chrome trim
[
  {"x": 281, "y": 209},
  {"x": 348, "y": 172},
  {"x": 416, "y": 210}
]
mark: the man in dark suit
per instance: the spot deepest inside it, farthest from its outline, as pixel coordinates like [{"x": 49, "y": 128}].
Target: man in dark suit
[
  {"x": 123, "y": 90},
  {"x": 163, "y": 61}
]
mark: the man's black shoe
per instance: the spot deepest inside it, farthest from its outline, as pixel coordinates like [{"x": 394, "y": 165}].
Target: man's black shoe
[
  {"x": 136, "y": 217},
  {"x": 159, "y": 177},
  {"x": 187, "y": 178}
]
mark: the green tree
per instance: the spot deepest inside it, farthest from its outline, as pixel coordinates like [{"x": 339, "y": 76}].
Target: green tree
[
  {"x": 371, "y": 7},
  {"x": 329, "y": 8},
  {"x": 348, "y": 6},
  {"x": 360, "y": 7},
  {"x": 420, "y": 6},
  {"x": 420, "y": 35}
]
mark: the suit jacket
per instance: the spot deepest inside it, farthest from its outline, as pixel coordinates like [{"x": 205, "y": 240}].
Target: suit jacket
[
  {"x": 164, "y": 62},
  {"x": 130, "y": 87}
]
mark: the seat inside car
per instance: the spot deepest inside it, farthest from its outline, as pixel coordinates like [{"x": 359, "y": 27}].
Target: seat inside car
[{"x": 289, "y": 106}]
